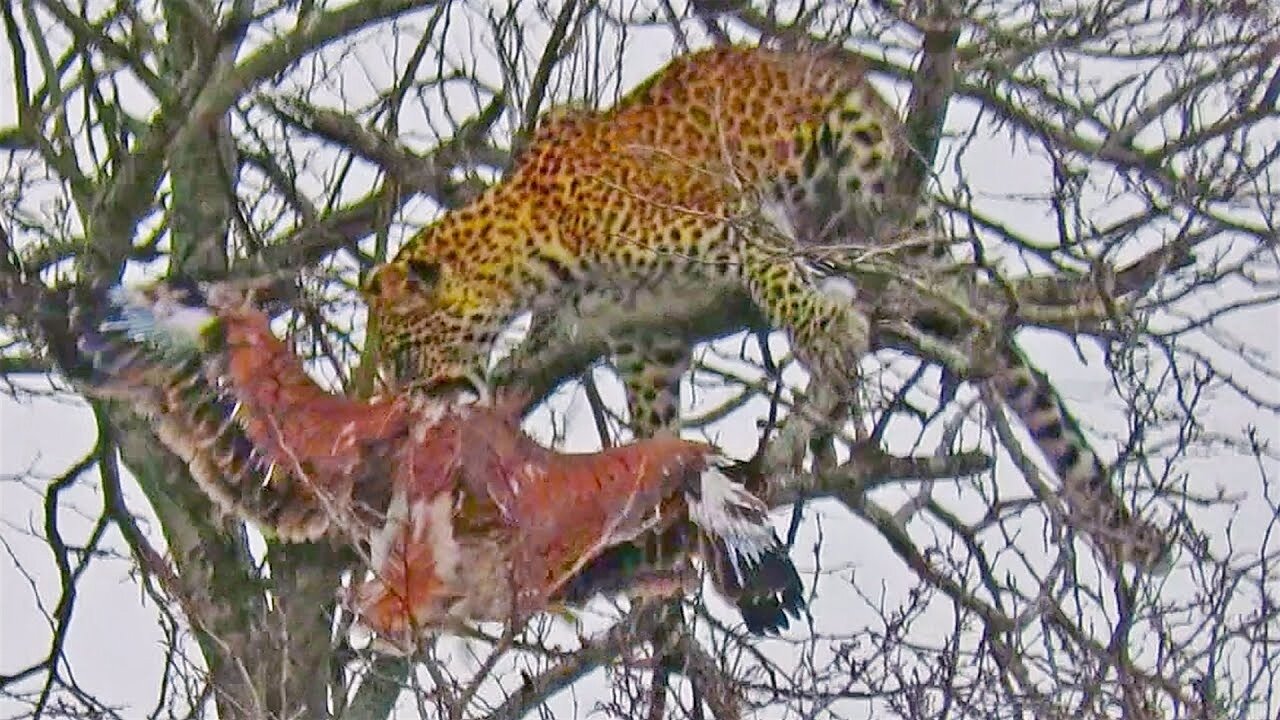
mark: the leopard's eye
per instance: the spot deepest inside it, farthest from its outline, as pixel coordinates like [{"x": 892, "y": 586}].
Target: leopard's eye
[{"x": 424, "y": 273}]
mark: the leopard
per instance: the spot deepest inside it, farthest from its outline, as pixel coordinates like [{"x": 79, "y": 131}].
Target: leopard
[{"x": 715, "y": 172}]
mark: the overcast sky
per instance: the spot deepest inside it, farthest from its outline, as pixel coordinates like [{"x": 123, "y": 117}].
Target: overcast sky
[{"x": 115, "y": 643}]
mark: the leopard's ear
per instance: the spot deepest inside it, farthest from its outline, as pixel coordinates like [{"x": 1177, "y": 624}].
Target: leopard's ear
[
  {"x": 424, "y": 274},
  {"x": 398, "y": 279}
]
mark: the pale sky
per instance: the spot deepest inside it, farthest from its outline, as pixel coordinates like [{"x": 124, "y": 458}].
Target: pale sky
[{"x": 115, "y": 641}]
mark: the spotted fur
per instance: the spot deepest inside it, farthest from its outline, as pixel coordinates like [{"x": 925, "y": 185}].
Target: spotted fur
[
  {"x": 658, "y": 190},
  {"x": 716, "y": 171}
]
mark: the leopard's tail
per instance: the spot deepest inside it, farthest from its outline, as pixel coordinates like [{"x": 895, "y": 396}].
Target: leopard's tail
[{"x": 1092, "y": 503}]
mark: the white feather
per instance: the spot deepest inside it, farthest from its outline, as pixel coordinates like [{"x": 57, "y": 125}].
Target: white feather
[
  {"x": 152, "y": 314},
  {"x": 726, "y": 509}
]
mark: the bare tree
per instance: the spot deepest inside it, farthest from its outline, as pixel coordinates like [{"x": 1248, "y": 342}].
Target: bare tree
[{"x": 1114, "y": 165}]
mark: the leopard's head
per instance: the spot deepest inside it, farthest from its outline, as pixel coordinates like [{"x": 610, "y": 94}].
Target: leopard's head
[{"x": 422, "y": 344}]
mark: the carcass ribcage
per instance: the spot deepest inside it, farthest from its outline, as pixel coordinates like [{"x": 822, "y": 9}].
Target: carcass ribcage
[
  {"x": 298, "y": 424},
  {"x": 482, "y": 522},
  {"x": 462, "y": 515}
]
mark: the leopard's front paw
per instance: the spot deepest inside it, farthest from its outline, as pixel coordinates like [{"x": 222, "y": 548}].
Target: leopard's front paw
[{"x": 833, "y": 345}]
